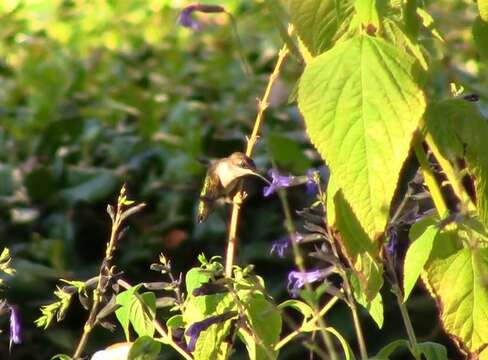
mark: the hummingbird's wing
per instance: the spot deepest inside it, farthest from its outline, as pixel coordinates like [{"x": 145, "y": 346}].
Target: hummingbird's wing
[{"x": 211, "y": 191}]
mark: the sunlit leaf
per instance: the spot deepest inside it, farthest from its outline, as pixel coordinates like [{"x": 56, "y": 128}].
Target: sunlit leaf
[{"x": 361, "y": 106}]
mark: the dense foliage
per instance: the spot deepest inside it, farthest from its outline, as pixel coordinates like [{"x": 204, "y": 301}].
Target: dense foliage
[{"x": 367, "y": 241}]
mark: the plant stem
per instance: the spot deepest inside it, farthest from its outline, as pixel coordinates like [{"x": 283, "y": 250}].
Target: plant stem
[
  {"x": 451, "y": 174},
  {"x": 251, "y": 142},
  {"x": 90, "y": 322},
  {"x": 310, "y": 322},
  {"x": 429, "y": 177},
  {"x": 299, "y": 261},
  {"x": 403, "y": 309},
  {"x": 347, "y": 286}
]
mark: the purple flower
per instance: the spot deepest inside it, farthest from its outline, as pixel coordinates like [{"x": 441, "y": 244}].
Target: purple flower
[
  {"x": 311, "y": 185},
  {"x": 187, "y": 20},
  {"x": 280, "y": 246},
  {"x": 193, "y": 332},
  {"x": 298, "y": 279},
  {"x": 277, "y": 181},
  {"x": 15, "y": 326}
]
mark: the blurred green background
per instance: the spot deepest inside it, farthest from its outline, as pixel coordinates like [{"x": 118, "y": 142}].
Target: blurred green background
[{"x": 97, "y": 93}]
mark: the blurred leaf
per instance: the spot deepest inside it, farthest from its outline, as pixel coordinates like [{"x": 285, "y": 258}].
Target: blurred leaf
[
  {"x": 433, "y": 351},
  {"x": 288, "y": 154},
  {"x": 483, "y": 8},
  {"x": 387, "y": 350},
  {"x": 480, "y": 36},
  {"x": 98, "y": 186},
  {"x": 40, "y": 184},
  {"x": 144, "y": 348}
]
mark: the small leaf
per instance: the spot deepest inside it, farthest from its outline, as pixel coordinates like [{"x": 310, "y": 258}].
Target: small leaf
[
  {"x": 433, "y": 351},
  {"x": 145, "y": 348},
  {"x": 417, "y": 255},
  {"x": 389, "y": 349},
  {"x": 300, "y": 306},
  {"x": 123, "y": 313},
  {"x": 368, "y": 14},
  {"x": 142, "y": 313}
]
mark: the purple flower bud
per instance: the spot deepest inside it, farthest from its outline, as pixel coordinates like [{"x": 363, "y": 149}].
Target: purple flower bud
[
  {"x": 15, "y": 326},
  {"x": 280, "y": 246},
  {"x": 187, "y": 20},
  {"x": 193, "y": 332},
  {"x": 277, "y": 181}
]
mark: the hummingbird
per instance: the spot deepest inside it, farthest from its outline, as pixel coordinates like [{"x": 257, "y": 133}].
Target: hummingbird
[{"x": 222, "y": 180}]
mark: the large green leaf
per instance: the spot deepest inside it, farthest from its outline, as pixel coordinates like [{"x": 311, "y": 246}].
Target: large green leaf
[
  {"x": 368, "y": 12},
  {"x": 480, "y": 37},
  {"x": 360, "y": 251},
  {"x": 483, "y": 8},
  {"x": 317, "y": 22},
  {"x": 459, "y": 284},
  {"x": 460, "y": 131},
  {"x": 417, "y": 255},
  {"x": 361, "y": 105}
]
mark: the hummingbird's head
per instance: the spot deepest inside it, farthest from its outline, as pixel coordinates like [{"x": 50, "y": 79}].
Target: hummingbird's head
[{"x": 241, "y": 160}]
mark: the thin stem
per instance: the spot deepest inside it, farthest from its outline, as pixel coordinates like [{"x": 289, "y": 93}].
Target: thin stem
[
  {"x": 90, "y": 322},
  {"x": 299, "y": 261},
  {"x": 160, "y": 329},
  {"x": 251, "y": 142},
  {"x": 403, "y": 309},
  {"x": 309, "y": 323},
  {"x": 429, "y": 177},
  {"x": 347, "y": 286}
]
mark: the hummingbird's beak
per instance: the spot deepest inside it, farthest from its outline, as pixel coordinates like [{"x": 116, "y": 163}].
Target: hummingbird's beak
[{"x": 244, "y": 172}]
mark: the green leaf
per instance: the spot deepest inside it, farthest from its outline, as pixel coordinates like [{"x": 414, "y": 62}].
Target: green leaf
[
  {"x": 412, "y": 20},
  {"x": 361, "y": 106},
  {"x": 368, "y": 12},
  {"x": 61, "y": 357},
  {"x": 288, "y": 154},
  {"x": 100, "y": 184},
  {"x": 417, "y": 255},
  {"x": 458, "y": 282},
  {"x": 138, "y": 310},
  {"x": 460, "y": 131},
  {"x": 360, "y": 251},
  {"x": 319, "y": 22},
  {"x": 123, "y": 313},
  {"x": 143, "y": 313},
  {"x": 300, "y": 306},
  {"x": 211, "y": 344},
  {"x": 387, "y": 350},
  {"x": 145, "y": 348},
  {"x": 480, "y": 37},
  {"x": 483, "y": 8},
  {"x": 265, "y": 321},
  {"x": 374, "y": 306},
  {"x": 433, "y": 351}
]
